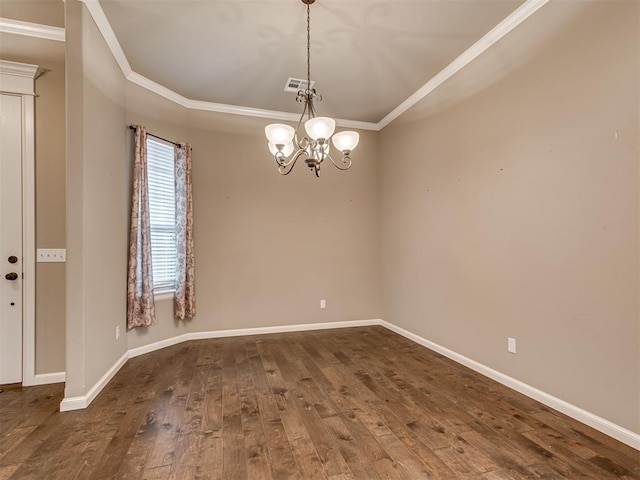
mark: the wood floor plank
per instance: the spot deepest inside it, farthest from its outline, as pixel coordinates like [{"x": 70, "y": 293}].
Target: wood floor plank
[
  {"x": 361, "y": 436},
  {"x": 283, "y": 462},
  {"x": 210, "y": 447},
  {"x": 382, "y": 422},
  {"x": 14, "y": 438},
  {"x": 170, "y": 419},
  {"x": 234, "y": 460},
  {"x": 581, "y": 435},
  {"x": 344, "y": 404},
  {"x": 559, "y": 448},
  {"x": 188, "y": 442},
  {"x": 258, "y": 465},
  {"x": 8, "y": 470},
  {"x": 260, "y": 380},
  {"x": 501, "y": 474},
  {"x": 359, "y": 465}
]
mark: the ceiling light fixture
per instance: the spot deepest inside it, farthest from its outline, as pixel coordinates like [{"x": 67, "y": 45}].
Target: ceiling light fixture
[{"x": 287, "y": 147}]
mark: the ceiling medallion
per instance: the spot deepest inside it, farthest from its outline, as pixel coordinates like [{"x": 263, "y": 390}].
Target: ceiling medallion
[{"x": 287, "y": 146}]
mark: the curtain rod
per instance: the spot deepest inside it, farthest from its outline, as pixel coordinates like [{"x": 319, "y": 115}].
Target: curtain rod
[{"x": 133, "y": 127}]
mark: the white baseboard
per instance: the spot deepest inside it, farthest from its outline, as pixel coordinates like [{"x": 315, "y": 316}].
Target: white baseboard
[
  {"x": 240, "y": 332},
  {"x": 605, "y": 426},
  {"x": 47, "y": 378},
  {"x": 619, "y": 433},
  {"x": 77, "y": 403}
]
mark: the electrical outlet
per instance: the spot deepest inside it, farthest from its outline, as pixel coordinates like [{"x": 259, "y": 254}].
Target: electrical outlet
[
  {"x": 511, "y": 345},
  {"x": 323, "y": 303},
  {"x": 117, "y": 332}
]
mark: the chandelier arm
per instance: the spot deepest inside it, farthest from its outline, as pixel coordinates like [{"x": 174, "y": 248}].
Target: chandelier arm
[
  {"x": 310, "y": 107},
  {"x": 281, "y": 160},
  {"x": 303, "y": 144},
  {"x": 286, "y": 168},
  {"x": 344, "y": 158},
  {"x": 304, "y": 110}
]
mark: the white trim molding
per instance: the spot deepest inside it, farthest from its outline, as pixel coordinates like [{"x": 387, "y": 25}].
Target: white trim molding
[
  {"x": 77, "y": 403},
  {"x": 19, "y": 79},
  {"x": 46, "y": 32},
  {"x": 605, "y": 426},
  {"x": 96, "y": 12},
  {"x": 48, "y": 378},
  {"x": 248, "y": 331},
  {"x": 28, "y": 241},
  {"x": 523, "y": 12}
]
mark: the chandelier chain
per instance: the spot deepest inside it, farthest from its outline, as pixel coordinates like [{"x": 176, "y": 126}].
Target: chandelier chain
[
  {"x": 287, "y": 146},
  {"x": 308, "y": 48}
]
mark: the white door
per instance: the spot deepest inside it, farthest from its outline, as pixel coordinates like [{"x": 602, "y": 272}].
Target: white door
[{"x": 10, "y": 238}]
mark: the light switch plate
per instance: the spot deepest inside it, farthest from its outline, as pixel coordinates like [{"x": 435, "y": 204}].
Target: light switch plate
[{"x": 52, "y": 255}]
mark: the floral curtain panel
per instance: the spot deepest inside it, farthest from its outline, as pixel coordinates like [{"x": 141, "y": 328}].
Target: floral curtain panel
[
  {"x": 141, "y": 310},
  {"x": 185, "y": 297}
]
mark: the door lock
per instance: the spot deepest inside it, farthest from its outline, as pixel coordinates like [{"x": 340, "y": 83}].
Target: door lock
[{"x": 11, "y": 276}]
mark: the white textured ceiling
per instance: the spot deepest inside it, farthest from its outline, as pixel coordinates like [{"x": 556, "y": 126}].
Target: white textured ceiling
[{"x": 367, "y": 56}]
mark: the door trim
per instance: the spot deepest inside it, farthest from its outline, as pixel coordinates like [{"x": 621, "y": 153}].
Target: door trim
[{"x": 19, "y": 79}]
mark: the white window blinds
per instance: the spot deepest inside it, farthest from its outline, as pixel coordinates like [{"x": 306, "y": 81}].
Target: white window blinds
[{"x": 162, "y": 213}]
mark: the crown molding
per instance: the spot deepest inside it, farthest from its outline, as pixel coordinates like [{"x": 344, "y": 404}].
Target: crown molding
[
  {"x": 18, "y": 78},
  {"x": 18, "y": 69},
  {"x": 528, "y": 8},
  {"x": 518, "y": 16},
  {"x": 271, "y": 114},
  {"x": 96, "y": 12},
  {"x": 99, "y": 17},
  {"x": 169, "y": 94},
  {"x": 155, "y": 87},
  {"x": 46, "y": 32}
]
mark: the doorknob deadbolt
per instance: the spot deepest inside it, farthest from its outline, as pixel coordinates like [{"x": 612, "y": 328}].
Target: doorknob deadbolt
[
  {"x": 11, "y": 276},
  {"x": 12, "y": 259}
]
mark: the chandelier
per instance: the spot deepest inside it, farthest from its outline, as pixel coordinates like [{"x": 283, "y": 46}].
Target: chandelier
[{"x": 287, "y": 146}]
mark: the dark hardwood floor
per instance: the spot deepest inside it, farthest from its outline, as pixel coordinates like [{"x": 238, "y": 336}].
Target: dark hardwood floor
[{"x": 360, "y": 403}]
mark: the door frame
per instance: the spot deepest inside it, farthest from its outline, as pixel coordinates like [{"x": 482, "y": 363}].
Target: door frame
[{"x": 19, "y": 79}]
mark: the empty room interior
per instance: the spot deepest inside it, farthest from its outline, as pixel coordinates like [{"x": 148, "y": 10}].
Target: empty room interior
[{"x": 320, "y": 239}]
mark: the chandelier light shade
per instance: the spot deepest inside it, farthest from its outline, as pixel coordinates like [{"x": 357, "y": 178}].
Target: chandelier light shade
[
  {"x": 287, "y": 146},
  {"x": 346, "y": 141},
  {"x": 320, "y": 128},
  {"x": 279, "y": 134}
]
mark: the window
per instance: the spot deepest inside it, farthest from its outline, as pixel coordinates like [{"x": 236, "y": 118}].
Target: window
[{"x": 162, "y": 213}]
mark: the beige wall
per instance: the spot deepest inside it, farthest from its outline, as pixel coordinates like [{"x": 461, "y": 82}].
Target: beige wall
[
  {"x": 515, "y": 213},
  {"x": 50, "y": 217},
  {"x": 97, "y": 213},
  {"x": 50, "y": 198},
  {"x": 46, "y": 12},
  {"x": 268, "y": 247}
]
